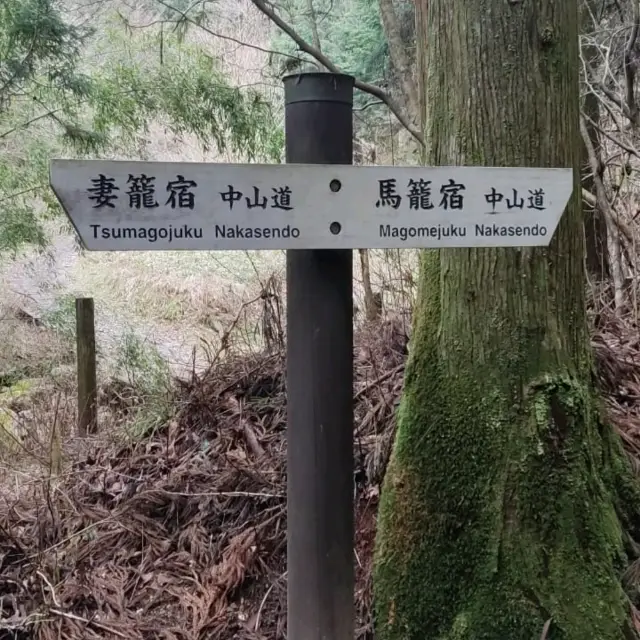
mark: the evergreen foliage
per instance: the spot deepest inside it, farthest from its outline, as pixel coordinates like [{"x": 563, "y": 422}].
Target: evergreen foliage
[
  {"x": 350, "y": 32},
  {"x": 66, "y": 90},
  {"x": 353, "y": 38}
]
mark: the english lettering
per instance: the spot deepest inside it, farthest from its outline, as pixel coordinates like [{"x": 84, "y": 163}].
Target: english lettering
[
  {"x": 151, "y": 234},
  {"x": 225, "y": 231},
  {"x": 436, "y": 231},
  {"x": 493, "y": 230}
]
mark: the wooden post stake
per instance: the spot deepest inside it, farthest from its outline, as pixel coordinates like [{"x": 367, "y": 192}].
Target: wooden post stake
[{"x": 86, "y": 353}]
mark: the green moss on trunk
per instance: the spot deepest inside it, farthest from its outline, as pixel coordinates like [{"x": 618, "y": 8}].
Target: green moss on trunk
[
  {"x": 499, "y": 505},
  {"x": 495, "y": 514},
  {"x": 506, "y": 496}
]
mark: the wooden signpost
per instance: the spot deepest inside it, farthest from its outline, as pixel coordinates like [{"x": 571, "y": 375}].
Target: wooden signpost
[
  {"x": 319, "y": 208},
  {"x": 147, "y": 206}
]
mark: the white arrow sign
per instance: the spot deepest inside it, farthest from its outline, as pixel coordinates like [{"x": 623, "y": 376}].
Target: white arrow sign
[{"x": 142, "y": 206}]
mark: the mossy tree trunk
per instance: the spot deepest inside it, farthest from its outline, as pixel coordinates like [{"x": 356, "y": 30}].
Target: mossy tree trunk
[{"x": 506, "y": 499}]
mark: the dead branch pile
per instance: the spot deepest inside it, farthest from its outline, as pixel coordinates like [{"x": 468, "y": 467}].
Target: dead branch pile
[
  {"x": 616, "y": 344},
  {"x": 182, "y": 535}
]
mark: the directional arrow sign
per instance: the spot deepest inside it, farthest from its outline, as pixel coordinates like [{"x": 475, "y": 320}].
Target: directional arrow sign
[{"x": 142, "y": 206}]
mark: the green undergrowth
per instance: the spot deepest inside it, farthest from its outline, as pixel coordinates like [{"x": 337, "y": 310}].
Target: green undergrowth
[
  {"x": 17, "y": 391},
  {"x": 142, "y": 367},
  {"x": 61, "y": 317},
  {"x": 152, "y": 414},
  {"x": 136, "y": 379},
  {"x": 11, "y": 377}
]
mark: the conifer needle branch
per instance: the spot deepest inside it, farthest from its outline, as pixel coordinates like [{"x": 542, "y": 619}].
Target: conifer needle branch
[{"x": 371, "y": 89}]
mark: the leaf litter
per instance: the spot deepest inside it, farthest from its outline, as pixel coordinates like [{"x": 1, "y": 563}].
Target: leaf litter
[{"x": 182, "y": 534}]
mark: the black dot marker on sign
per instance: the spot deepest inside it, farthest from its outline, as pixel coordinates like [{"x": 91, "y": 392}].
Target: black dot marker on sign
[
  {"x": 335, "y": 185},
  {"x": 335, "y": 228}
]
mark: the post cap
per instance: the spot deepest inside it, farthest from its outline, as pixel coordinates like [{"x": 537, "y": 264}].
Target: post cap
[{"x": 318, "y": 86}]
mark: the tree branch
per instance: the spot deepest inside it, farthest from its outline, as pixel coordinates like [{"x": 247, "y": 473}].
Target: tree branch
[
  {"x": 629, "y": 69},
  {"x": 609, "y": 110},
  {"x": 373, "y": 103},
  {"x": 371, "y": 89},
  {"x": 600, "y": 84},
  {"x": 230, "y": 38},
  {"x": 51, "y": 113},
  {"x": 21, "y": 193},
  {"x": 313, "y": 23},
  {"x": 614, "y": 98},
  {"x": 589, "y": 198},
  {"x": 623, "y": 145},
  {"x": 14, "y": 75},
  {"x": 607, "y": 211}
]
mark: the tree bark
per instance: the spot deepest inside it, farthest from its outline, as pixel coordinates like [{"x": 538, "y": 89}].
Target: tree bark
[
  {"x": 506, "y": 498},
  {"x": 399, "y": 58}
]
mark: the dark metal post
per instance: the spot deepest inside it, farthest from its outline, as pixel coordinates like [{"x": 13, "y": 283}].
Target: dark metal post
[{"x": 320, "y": 601}]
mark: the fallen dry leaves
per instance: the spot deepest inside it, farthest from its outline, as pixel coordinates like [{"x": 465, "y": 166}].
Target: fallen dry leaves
[{"x": 182, "y": 536}]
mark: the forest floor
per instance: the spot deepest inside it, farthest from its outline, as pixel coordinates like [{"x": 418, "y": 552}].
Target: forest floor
[{"x": 179, "y": 533}]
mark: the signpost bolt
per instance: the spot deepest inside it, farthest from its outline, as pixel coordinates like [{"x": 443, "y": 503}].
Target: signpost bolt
[
  {"x": 335, "y": 186},
  {"x": 335, "y": 228}
]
